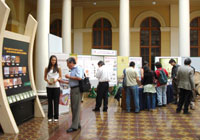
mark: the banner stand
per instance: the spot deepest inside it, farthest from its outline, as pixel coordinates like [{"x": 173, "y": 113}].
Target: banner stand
[{"x": 12, "y": 83}]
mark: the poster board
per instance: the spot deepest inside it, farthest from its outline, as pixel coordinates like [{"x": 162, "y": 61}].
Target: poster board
[
  {"x": 194, "y": 63},
  {"x": 138, "y": 64},
  {"x": 55, "y": 44},
  {"x": 122, "y": 63},
  {"x": 11, "y": 71},
  {"x": 111, "y": 64}
]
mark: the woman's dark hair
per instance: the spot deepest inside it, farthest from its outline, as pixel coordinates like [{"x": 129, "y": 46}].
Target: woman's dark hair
[
  {"x": 145, "y": 63},
  {"x": 71, "y": 60},
  {"x": 187, "y": 61},
  {"x": 146, "y": 69},
  {"x": 55, "y": 68},
  {"x": 158, "y": 65}
]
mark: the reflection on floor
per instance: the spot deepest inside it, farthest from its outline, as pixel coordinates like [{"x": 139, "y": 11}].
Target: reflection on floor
[{"x": 163, "y": 124}]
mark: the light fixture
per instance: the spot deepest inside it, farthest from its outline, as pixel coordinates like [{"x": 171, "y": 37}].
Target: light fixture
[
  {"x": 154, "y": 2},
  {"x": 94, "y": 3}
]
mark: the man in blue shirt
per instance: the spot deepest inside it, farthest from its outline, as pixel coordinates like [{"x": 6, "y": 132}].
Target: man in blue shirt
[{"x": 75, "y": 76}]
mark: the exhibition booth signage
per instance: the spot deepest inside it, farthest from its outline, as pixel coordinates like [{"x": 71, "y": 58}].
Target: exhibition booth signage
[{"x": 18, "y": 96}]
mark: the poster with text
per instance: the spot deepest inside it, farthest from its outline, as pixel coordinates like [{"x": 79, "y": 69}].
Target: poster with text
[
  {"x": 122, "y": 63},
  {"x": 111, "y": 64},
  {"x": 15, "y": 67}
]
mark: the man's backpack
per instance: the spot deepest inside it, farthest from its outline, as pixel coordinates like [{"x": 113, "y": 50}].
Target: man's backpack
[{"x": 162, "y": 77}]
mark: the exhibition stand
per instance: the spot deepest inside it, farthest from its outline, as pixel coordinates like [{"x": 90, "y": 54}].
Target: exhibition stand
[{"x": 18, "y": 97}]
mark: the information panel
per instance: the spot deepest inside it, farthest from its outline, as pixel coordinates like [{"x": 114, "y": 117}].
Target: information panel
[{"x": 15, "y": 70}]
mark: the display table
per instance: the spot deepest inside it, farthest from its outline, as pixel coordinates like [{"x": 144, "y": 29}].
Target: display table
[{"x": 142, "y": 99}]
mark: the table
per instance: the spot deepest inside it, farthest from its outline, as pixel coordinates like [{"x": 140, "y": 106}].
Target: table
[{"x": 142, "y": 99}]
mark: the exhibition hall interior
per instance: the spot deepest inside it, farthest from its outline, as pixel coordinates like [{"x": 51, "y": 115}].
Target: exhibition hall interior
[{"x": 100, "y": 69}]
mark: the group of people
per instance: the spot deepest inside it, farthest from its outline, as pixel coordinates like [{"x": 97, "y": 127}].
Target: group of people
[
  {"x": 52, "y": 76},
  {"x": 155, "y": 83},
  {"x": 150, "y": 80}
]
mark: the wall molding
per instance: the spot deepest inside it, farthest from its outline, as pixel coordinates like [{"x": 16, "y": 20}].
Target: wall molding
[{"x": 91, "y": 20}]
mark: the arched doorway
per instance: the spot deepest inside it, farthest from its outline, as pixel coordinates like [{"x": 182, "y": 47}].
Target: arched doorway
[{"x": 150, "y": 40}]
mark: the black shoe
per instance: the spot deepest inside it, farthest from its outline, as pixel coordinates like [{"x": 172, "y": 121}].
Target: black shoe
[
  {"x": 159, "y": 105},
  {"x": 71, "y": 130},
  {"x": 96, "y": 110},
  {"x": 104, "y": 110},
  {"x": 178, "y": 111},
  {"x": 79, "y": 127},
  {"x": 164, "y": 105}
]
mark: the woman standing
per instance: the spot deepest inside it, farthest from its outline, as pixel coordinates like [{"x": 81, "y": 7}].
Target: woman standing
[
  {"x": 52, "y": 75},
  {"x": 148, "y": 83}
]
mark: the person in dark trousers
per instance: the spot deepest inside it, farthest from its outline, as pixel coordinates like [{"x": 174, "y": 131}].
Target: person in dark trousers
[
  {"x": 186, "y": 85},
  {"x": 103, "y": 76},
  {"x": 75, "y": 76},
  {"x": 148, "y": 83},
  {"x": 52, "y": 75},
  {"x": 174, "y": 80}
]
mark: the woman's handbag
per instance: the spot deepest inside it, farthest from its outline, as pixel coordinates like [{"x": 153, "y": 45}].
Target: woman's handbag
[{"x": 84, "y": 84}]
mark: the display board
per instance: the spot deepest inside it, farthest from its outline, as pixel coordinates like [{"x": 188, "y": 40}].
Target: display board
[
  {"x": 15, "y": 70},
  {"x": 18, "y": 96},
  {"x": 111, "y": 64},
  {"x": 138, "y": 64},
  {"x": 55, "y": 44},
  {"x": 194, "y": 63},
  {"x": 122, "y": 63}
]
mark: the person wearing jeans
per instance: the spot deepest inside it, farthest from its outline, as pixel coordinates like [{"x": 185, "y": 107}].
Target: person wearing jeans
[
  {"x": 161, "y": 95},
  {"x": 161, "y": 88},
  {"x": 135, "y": 93},
  {"x": 132, "y": 87},
  {"x": 148, "y": 83}
]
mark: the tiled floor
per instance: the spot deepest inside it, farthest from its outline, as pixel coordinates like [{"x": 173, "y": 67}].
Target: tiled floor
[{"x": 164, "y": 124}]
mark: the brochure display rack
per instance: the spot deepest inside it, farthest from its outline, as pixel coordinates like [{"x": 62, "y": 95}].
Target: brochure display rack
[{"x": 18, "y": 97}]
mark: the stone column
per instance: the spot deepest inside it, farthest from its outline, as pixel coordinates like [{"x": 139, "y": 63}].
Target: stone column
[
  {"x": 41, "y": 49},
  {"x": 124, "y": 25},
  {"x": 184, "y": 28},
  {"x": 174, "y": 33},
  {"x": 66, "y": 26},
  {"x": 78, "y": 33}
]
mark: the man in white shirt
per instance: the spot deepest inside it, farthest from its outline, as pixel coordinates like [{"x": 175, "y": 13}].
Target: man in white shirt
[{"x": 103, "y": 76}]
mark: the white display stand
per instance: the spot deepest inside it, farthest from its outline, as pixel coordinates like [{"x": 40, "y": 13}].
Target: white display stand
[{"x": 7, "y": 120}]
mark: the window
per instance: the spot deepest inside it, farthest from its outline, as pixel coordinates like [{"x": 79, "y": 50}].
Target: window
[
  {"x": 150, "y": 37},
  {"x": 102, "y": 34},
  {"x": 56, "y": 27},
  {"x": 195, "y": 37}
]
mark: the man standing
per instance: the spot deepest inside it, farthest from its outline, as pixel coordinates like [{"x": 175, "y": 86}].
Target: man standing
[
  {"x": 174, "y": 79},
  {"x": 103, "y": 76},
  {"x": 132, "y": 87},
  {"x": 186, "y": 85},
  {"x": 74, "y": 77}
]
